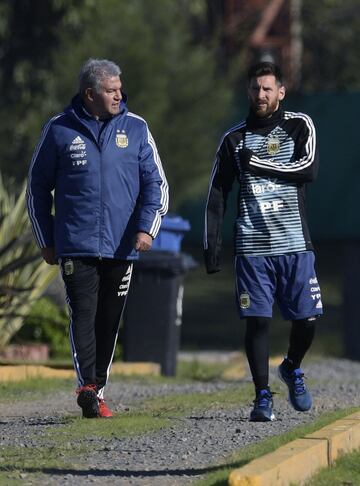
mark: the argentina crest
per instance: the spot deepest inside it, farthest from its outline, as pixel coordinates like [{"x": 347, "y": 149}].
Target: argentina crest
[
  {"x": 244, "y": 300},
  {"x": 121, "y": 139},
  {"x": 273, "y": 145}
]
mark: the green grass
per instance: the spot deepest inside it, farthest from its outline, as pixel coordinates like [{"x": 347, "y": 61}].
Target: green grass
[
  {"x": 64, "y": 450},
  {"x": 186, "y": 403},
  {"x": 17, "y": 460},
  {"x": 247, "y": 454},
  {"x": 71, "y": 441},
  {"x": 35, "y": 388},
  {"x": 152, "y": 414},
  {"x": 186, "y": 371},
  {"x": 32, "y": 389},
  {"x": 57, "y": 453},
  {"x": 125, "y": 425},
  {"x": 345, "y": 472},
  {"x": 197, "y": 371}
]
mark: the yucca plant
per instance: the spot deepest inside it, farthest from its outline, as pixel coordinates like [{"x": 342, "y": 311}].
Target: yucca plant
[{"x": 24, "y": 276}]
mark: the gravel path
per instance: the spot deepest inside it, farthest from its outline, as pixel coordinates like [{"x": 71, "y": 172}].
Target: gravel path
[{"x": 192, "y": 446}]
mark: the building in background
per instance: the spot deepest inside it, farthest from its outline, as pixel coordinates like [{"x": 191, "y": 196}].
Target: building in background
[{"x": 270, "y": 30}]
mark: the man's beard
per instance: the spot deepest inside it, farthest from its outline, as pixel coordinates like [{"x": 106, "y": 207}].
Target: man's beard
[{"x": 264, "y": 111}]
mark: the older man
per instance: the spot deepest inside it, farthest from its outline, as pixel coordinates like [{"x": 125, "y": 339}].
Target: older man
[{"x": 110, "y": 194}]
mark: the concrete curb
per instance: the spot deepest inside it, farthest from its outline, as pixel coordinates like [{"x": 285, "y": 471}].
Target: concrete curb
[
  {"x": 300, "y": 459},
  {"x": 24, "y": 372}
]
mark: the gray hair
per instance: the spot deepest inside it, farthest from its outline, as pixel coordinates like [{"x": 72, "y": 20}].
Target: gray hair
[{"x": 94, "y": 71}]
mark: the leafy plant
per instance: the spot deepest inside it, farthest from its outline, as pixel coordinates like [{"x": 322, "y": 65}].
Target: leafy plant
[
  {"x": 23, "y": 274},
  {"x": 47, "y": 323}
]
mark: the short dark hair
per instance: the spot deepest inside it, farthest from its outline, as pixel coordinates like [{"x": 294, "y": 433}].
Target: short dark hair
[{"x": 265, "y": 69}]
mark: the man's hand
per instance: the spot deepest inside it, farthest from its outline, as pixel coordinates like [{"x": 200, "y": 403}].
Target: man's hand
[
  {"x": 212, "y": 262},
  {"x": 143, "y": 242},
  {"x": 48, "y": 255}
]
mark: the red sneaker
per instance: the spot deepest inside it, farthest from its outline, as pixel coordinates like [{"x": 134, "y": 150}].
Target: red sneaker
[
  {"x": 104, "y": 410},
  {"x": 87, "y": 399}
]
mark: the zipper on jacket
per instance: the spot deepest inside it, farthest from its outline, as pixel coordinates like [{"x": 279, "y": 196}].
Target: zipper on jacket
[{"x": 99, "y": 147}]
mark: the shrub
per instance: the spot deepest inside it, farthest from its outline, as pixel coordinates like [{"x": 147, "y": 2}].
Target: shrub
[
  {"x": 47, "y": 323},
  {"x": 24, "y": 276}
]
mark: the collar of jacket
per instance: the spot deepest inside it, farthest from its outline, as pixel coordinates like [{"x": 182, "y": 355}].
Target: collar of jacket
[
  {"x": 253, "y": 121},
  {"x": 77, "y": 107}
]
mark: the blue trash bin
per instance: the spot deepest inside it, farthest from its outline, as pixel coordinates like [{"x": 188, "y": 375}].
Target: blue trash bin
[
  {"x": 171, "y": 234},
  {"x": 153, "y": 311}
]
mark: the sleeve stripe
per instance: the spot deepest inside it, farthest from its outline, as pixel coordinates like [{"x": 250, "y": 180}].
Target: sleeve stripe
[
  {"x": 30, "y": 198},
  {"x": 255, "y": 161},
  {"x": 213, "y": 172},
  {"x": 164, "y": 188},
  {"x": 212, "y": 176},
  {"x": 300, "y": 164}
]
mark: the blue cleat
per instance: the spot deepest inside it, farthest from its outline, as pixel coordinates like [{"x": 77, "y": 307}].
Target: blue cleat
[
  {"x": 263, "y": 405},
  {"x": 299, "y": 395}
]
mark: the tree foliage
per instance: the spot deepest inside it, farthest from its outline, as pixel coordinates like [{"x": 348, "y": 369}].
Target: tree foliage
[
  {"x": 331, "y": 35},
  {"x": 174, "y": 72},
  {"x": 171, "y": 80},
  {"x": 31, "y": 35}
]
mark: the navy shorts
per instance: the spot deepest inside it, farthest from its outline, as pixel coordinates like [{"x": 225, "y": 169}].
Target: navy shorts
[{"x": 290, "y": 280}]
